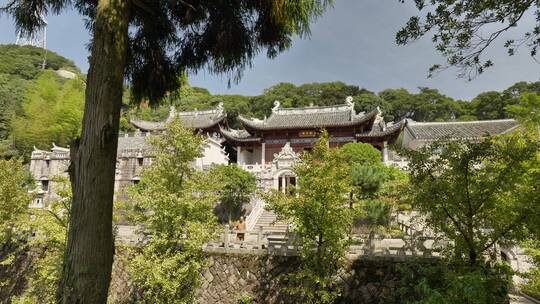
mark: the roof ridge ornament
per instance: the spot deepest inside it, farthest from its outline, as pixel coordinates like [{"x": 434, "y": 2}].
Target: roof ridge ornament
[
  {"x": 58, "y": 148},
  {"x": 349, "y": 101},
  {"x": 277, "y": 105},
  {"x": 220, "y": 108},
  {"x": 379, "y": 119}
]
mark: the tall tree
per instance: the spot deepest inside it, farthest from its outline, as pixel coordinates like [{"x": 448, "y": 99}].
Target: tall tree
[
  {"x": 174, "y": 202},
  {"x": 366, "y": 169},
  {"x": 489, "y": 105},
  {"x": 527, "y": 110},
  {"x": 150, "y": 43},
  {"x": 463, "y": 30},
  {"x": 238, "y": 186},
  {"x": 318, "y": 210},
  {"x": 478, "y": 194},
  {"x": 14, "y": 197}
]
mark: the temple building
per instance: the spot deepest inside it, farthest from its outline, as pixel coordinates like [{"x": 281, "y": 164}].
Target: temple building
[
  {"x": 133, "y": 154},
  {"x": 260, "y": 140},
  {"x": 269, "y": 147}
]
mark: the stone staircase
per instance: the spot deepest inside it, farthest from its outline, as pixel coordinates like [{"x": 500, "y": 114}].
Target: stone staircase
[{"x": 267, "y": 220}]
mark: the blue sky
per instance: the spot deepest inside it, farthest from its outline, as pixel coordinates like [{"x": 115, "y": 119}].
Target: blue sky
[{"x": 353, "y": 42}]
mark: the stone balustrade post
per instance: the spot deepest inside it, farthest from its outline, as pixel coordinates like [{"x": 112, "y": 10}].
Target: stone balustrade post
[
  {"x": 226, "y": 238},
  {"x": 371, "y": 243},
  {"x": 260, "y": 237}
]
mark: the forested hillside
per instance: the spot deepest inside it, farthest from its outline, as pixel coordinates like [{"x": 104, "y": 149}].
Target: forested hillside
[
  {"x": 38, "y": 107},
  {"x": 20, "y": 67}
]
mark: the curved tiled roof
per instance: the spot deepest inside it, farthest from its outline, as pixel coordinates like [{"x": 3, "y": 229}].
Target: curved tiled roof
[
  {"x": 238, "y": 135},
  {"x": 389, "y": 133},
  {"x": 312, "y": 117},
  {"x": 148, "y": 125},
  {"x": 192, "y": 119},
  {"x": 462, "y": 130}
]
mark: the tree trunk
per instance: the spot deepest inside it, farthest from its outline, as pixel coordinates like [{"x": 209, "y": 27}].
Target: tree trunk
[
  {"x": 90, "y": 249},
  {"x": 473, "y": 258}
]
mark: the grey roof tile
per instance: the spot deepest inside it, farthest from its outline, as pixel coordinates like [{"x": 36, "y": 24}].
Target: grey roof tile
[
  {"x": 133, "y": 142},
  {"x": 462, "y": 130},
  {"x": 311, "y": 117},
  {"x": 192, "y": 119}
]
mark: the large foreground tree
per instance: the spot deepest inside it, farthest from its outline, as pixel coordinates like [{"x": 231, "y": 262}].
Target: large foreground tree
[{"x": 149, "y": 42}]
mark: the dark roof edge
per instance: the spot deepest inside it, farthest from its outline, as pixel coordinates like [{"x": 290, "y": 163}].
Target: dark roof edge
[
  {"x": 232, "y": 137},
  {"x": 355, "y": 120}
]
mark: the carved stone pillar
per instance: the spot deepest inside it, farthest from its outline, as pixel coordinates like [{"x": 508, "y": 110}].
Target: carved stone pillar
[
  {"x": 385, "y": 152},
  {"x": 239, "y": 158},
  {"x": 263, "y": 154}
]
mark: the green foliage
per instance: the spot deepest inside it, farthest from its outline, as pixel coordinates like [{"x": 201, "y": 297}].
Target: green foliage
[
  {"x": 52, "y": 112},
  {"x": 527, "y": 110},
  {"x": 19, "y": 67},
  {"x": 25, "y": 62},
  {"x": 463, "y": 31},
  {"x": 440, "y": 283},
  {"x": 175, "y": 205},
  {"x": 366, "y": 168},
  {"x": 245, "y": 299},
  {"x": 377, "y": 212},
  {"x": 394, "y": 189},
  {"x": 361, "y": 154},
  {"x": 532, "y": 287},
  {"x": 12, "y": 90},
  {"x": 367, "y": 179},
  {"x": 321, "y": 221},
  {"x": 14, "y": 197},
  {"x": 477, "y": 193},
  {"x": 49, "y": 227},
  {"x": 238, "y": 186},
  {"x": 490, "y": 105},
  {"x": 427, "y": 105}
]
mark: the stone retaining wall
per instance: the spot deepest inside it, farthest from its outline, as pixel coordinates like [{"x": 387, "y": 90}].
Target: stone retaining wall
[{"x": 230, "y": 276}]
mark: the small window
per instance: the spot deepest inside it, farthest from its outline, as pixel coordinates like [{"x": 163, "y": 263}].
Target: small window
[
  {"x": 140, "y": 161},
  {"x": 45, "y": 185},
  {"x": 47, "y": 162}
]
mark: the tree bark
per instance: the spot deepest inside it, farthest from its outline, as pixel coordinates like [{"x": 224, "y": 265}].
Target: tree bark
[
  {"x": 473, "y": 258},
  {"x": 90, "y": 249}
]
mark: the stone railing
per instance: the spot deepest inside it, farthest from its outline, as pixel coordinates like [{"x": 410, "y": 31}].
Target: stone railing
[
  {"x": 254, "y": 215},
  {"x": 283, "y": 243}
]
